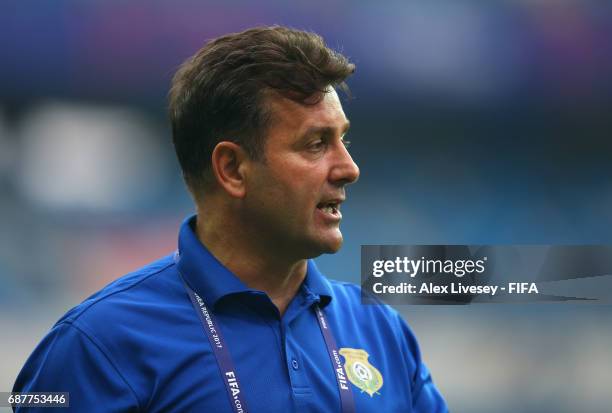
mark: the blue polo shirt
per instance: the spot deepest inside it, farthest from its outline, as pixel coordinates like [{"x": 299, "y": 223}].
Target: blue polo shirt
[{"x": 139, "y": 346}]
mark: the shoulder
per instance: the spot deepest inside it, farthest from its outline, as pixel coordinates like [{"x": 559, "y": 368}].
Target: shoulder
[
  {"x": 350, "y": 295},
  {"x": 347, "y": 303},
  {"x": 127, "y": 297},
  {"x": 123, "y": 335},
  {"x": 374, "y": 321}
]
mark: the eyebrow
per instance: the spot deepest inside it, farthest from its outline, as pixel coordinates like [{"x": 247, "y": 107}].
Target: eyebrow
[{"x": 325, "y": 130}]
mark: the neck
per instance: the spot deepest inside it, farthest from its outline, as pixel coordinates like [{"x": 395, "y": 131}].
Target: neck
[{"x": 256, "y": 264}]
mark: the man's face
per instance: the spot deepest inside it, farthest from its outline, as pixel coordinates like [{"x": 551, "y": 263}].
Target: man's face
[{"x": 294, "y": 194}]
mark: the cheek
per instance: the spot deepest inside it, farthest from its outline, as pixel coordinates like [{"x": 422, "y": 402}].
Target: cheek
[
  {"x": 299, "y": 187},
  {"x": 274, "y": 197},
  {"x": 292, "y": 183}
]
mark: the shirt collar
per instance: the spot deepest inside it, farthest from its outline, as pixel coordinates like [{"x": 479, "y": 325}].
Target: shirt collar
[
  {"x": 317, "y": 284},
  {"x": 213, "y": 281}
]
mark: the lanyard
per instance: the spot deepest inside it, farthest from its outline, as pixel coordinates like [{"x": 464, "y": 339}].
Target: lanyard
[
  {"x": 226, "y": 366},
  {"x": 346, "y": 395}
]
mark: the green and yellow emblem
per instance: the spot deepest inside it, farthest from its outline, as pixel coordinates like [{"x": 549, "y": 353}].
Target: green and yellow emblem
[{"x": 360, "y": 372}]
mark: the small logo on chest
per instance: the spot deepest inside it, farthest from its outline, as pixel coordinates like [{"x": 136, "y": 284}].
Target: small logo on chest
[{"x": 360, "y": 372}]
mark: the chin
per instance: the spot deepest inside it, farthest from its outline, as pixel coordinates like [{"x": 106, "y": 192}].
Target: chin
[
  {"x": 333, "y": 250},
  {"x": 319, "y": 250},
  {"x": 327, "y": 243},
  {"x": 331, "y": 246}
]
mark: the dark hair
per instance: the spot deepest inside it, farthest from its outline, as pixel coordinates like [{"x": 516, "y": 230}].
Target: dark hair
[{"x": 219, "y": 93}]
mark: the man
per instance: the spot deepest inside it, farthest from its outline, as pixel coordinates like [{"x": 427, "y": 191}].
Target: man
[{"x": 239, "y": 319}]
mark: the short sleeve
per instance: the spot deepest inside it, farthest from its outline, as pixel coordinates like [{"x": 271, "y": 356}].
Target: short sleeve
[
  {"x": 425, "y": 396},
  {"x": 70, "y": 360}
]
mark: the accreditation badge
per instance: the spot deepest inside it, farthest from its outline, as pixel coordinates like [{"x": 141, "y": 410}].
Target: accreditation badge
[{"x": 360, "y": 372}]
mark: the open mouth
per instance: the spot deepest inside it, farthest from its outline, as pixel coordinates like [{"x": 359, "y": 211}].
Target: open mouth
[{"x": 331, "y": 208}]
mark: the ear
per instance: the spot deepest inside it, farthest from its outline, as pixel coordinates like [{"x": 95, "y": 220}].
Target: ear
[{"x": 229, "y": 164}]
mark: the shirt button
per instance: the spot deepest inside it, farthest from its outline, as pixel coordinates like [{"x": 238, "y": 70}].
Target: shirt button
[{"x": 295, "y": 364}]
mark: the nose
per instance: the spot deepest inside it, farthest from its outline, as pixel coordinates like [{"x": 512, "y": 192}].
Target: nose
[{"x": 344, "y": 170}]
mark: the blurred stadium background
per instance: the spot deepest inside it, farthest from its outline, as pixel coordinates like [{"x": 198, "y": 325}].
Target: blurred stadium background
[{"x": 473, "y": 122}]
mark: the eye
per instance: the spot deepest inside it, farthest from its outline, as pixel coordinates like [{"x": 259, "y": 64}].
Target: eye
[
  {"x": 317, "y": 145},
  {"x": 346, "y": 143}
]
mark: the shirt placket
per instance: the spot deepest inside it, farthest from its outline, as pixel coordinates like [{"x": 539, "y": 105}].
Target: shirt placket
[{"x": 301, "y": 387}]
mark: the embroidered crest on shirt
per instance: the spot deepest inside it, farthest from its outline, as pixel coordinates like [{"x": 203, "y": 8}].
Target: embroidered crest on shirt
[{"x": 360, "y": 372}]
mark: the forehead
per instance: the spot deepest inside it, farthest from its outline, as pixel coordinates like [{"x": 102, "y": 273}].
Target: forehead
[{"x": 289, "y": 115}]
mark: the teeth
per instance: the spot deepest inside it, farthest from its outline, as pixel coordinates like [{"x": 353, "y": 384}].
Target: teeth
[{"x": 330, "y": 209}]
